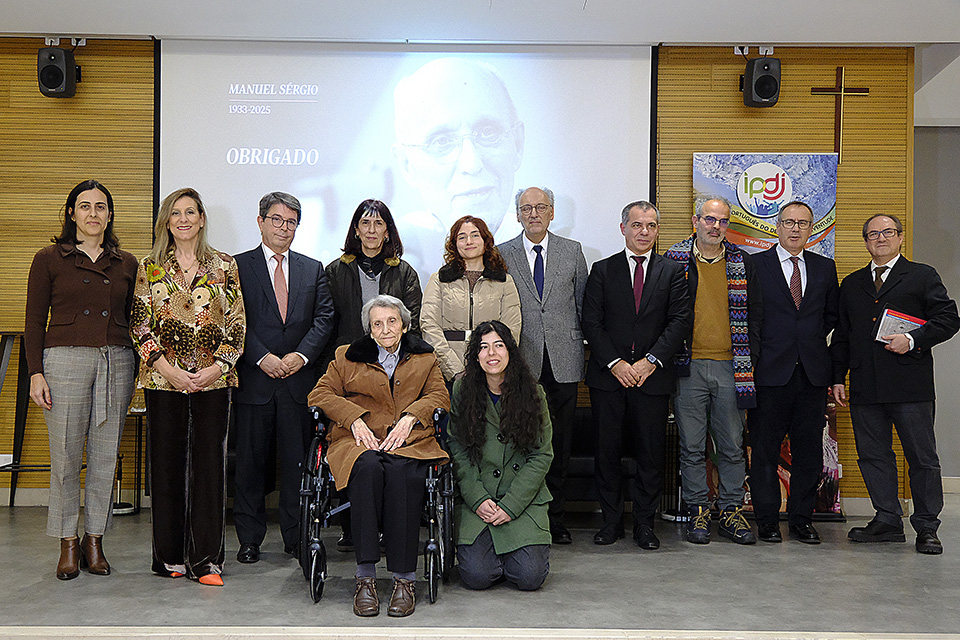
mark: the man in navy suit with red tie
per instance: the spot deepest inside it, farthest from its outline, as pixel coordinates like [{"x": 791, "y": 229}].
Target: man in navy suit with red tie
[
  {"x": 891, "y": 381},
  {"x": 289, "y": 318},
  {"x": 636, "y": 313},
  {"x": 793, "y": 374}
]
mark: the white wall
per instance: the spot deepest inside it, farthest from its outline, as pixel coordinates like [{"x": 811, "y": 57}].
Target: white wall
[
  {"x": 505, "y": 21},
  {"x": 937, "y": 86}
]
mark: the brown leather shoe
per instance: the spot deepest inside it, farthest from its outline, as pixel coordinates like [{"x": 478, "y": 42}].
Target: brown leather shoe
[
  {"x": 69, "y": 566},
  {"x": 93, "y": 555},
  {"x": 404, "y": 599},
  {"x": 366, "y": 602}
]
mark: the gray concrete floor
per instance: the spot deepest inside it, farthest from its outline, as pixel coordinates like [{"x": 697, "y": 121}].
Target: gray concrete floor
[{"x": 833, "y": 588}]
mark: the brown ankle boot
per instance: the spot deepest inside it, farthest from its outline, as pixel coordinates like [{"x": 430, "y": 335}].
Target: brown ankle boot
[
  {"x": 93, "y": 555},
  {"x": 69, "y": 566}
]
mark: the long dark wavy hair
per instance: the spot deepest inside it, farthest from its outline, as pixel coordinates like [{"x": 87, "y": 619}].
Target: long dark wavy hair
[
  {"x": 68, "y": 234},
  {"x": 392, "y": 247},
  {"x": 491, "y": 256},
  {"x": 521, "y": 419}
]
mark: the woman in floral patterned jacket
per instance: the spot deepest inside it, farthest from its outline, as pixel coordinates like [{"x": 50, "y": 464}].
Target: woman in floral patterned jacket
[{"x": 188, "y": 325}]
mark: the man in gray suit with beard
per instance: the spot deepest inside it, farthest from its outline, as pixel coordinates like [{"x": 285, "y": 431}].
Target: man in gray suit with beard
[{"x": 551, "y": 274}]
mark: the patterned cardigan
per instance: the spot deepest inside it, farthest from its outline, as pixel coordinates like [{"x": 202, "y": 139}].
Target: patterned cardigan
[{"x": 193, "y": 325}]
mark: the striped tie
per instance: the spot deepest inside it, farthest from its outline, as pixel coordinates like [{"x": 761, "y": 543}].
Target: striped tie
[{"x": 796, "y": 289}]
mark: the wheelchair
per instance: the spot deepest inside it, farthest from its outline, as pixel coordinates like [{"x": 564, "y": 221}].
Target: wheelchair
[{"x": 316, "y": 495}]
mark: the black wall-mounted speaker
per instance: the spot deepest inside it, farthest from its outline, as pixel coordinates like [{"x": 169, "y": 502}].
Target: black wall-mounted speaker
[
  {"x": 56, "y": 72},
  {"x": 761, "y": 82}
]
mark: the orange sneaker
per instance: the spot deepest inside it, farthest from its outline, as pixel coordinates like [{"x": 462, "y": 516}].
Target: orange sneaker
[{"x": 212, "y": 580}]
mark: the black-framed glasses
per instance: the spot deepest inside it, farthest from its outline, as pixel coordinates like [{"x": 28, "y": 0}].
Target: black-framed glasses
[
  {"x": 886, "y": 233},
  {"x": 278, "y": 223},
  {"x": 527, "y": 209},
  {"x": 799, "y": 224},
  {"x": 710, "y": 221}
]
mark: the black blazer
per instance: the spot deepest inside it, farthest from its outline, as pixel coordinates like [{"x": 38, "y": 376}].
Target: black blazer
[
  {"x": 611, "y": 324},
  {"x": 878, "y": 375},
  {"x": 306, "y": 330},
  {"x": 789, "y": 335}
]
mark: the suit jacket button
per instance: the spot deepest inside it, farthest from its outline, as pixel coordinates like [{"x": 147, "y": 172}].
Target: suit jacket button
[
  {"x": 86, "y": 312},
  {"x": 500, "y": 437},
  {"x": 86, "y": 281},
  {"x": 516, "y": 467},
  {"x": 874, "y": 319},
  {"x": 104, "y": 313},
  {"x": 496, "y": 473},
  {"x": 106, "y": 281}
]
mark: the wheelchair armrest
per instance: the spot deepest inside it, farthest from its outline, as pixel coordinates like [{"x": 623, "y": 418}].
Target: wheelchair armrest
[
  {"x": 319, "y": 420},
  {"x": 439, "y": 424}
]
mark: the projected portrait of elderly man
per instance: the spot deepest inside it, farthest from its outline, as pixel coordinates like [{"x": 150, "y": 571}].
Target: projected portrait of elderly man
[{"x": 459, "y": 143}]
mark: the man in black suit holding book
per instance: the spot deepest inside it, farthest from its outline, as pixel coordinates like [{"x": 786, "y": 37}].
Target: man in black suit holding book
[{"x": 891, "y": 381}]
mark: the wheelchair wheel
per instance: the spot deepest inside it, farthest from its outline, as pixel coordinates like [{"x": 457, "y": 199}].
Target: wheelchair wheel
[
  {"x": 309, "y": 526},
  {"x": 433, "y": 575},
  {"x": 318, "y": 570},
  {"x": 445, "y": 535}
]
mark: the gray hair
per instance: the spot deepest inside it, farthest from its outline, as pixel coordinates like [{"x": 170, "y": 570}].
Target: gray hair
[
  {"x": 384, "y": 301},
  {"x": 643, "y": 205},
  {"x": 726, "y": 202},
  {"x": 549, "y": 193},
  {"x": 279, "y": 197},
  {"x": 794, "y": 203},
  {"x": 896, "y": 222}
]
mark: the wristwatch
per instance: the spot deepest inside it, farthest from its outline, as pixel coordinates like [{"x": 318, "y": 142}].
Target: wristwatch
[
  {"x": 224, "y": 367},
  {"x": 652, "y": 359}
]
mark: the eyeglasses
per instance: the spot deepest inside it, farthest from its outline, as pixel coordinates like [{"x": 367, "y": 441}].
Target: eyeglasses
[
  {"x": 278, "y": 223},
  {"x": 445, "y": 147},
  {"x": 886, "y": 233},
  {"x": 799, "y": 224},
  {"x": 710, "y": 221},
  {"x": 527, "y": 209}
]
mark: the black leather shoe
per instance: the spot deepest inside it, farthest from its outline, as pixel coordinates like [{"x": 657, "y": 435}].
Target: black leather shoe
[
  {"x": 560, "y": 534},
  {"x": 608, "y": 534},
  {"x": 769, "y": 532},
  {"x": 645, "y": 538},
  {"x": 804, "y": 533},
  {"x": 345, "y": 543},
  {"x": 928, "y": 542},
  {"x": 248, "y": 553},
  {"x": 877, "y": 531}
]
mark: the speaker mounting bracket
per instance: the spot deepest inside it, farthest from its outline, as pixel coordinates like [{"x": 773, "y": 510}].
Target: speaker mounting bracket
[
  {"x": 765, "y": 50},
  {"x": 79, "y": 42},
  {"x": 52, "y": 41}
]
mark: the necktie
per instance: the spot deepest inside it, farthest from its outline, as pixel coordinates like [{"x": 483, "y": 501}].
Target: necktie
[
  {"x": 796, "y": 288},
  {"x": 637, "y": 281},
  {"x": 280, "y": 286},
  {"x": 538, "y": 269},
  {"x": 878, "y": 279}
]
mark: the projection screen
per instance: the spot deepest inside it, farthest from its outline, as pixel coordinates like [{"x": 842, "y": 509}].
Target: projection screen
[{"x": 434, "y": 134}]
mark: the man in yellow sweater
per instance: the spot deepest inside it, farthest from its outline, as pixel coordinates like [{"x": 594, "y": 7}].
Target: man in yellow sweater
[{"x": 715, "y": 367}]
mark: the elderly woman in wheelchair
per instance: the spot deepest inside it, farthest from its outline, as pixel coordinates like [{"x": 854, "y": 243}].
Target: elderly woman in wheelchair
[
  {"x": 500, "y": 439},
  {"x": 380, "y": 393}
]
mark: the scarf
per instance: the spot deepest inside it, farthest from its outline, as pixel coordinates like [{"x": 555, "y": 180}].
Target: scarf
[{"x": 737, "y": 302}]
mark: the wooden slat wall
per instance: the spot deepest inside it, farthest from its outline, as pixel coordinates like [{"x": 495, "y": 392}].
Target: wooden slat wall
[
  {"x": 48, "y": 145},
  {"x": 700, "y": 109}
]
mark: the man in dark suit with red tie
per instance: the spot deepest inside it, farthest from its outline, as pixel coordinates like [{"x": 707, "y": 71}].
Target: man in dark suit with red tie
[
  {"x": 891, "y": 381},
  {"x": 636, "y": 313},
  {"x": 289, "y": 318},
  {"x": 793, "y": 374}
]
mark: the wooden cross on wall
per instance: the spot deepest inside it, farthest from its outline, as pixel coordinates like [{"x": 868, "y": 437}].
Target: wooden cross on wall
[{"x": 839, "y": 91}]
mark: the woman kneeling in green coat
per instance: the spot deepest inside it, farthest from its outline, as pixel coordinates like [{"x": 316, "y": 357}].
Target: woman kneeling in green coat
[{"x": 500, "y": 440}]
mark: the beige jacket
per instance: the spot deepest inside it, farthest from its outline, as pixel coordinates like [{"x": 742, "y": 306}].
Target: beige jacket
[{"x": 448, "y": 306}]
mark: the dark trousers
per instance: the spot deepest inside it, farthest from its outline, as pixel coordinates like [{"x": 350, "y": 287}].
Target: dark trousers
[
  {"x": 873, "y": 431},
  {"x": 188, "y": 442},
  {"x": 480, "y": 566},
  {"x": 386, "y": 494},
  {"x": 795, "y": 409},
  {"x": 288, "y": 422},
  {"x": 644, "y": 417},
  {"x": 562, "y": 402}
]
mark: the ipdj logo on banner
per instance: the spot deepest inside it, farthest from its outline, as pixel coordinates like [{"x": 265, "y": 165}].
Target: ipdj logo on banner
[{"x": 763, "y": 189}]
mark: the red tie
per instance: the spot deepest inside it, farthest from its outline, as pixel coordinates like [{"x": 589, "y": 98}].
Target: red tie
[
  {"x": 796, "y": 289},
  {"x": 638, "y": 281},
  {"x": 280, "y": 286}
]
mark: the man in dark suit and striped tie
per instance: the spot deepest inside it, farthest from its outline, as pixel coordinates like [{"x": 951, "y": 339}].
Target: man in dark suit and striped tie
[
  {"x": 793, "y": 374},
  {"x": 289, "y": 318}
]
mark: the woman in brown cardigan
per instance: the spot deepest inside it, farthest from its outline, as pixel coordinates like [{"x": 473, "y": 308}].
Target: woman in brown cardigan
[
  {"x": 379, "y": 393},
  {"x": 81, "y": 367}
]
